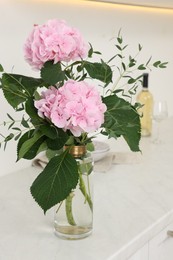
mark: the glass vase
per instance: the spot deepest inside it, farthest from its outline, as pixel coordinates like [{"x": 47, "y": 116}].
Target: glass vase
[{"x": 73, "y": 217}]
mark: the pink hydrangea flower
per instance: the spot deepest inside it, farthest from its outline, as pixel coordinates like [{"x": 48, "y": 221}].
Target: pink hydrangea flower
[
  {"x": 76, "y": 106},
  {"x": 44, "y": 105},
  {"x": 56, "y": 41}
]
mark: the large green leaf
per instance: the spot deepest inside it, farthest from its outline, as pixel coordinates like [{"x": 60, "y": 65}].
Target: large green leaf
[
  {"x": 121, "y": 118},
  {"x": 33, "y": 112},
  {"x": 29, "y": 144},
  {"x": 56, "y": 138},
  {"x": 52, "y": 73},
  {"x": 17, "y": 88},
  {"x": 100, "y": 71},
  {"x": 56, "y": 181},
  {"x": 58, "y": 142}
]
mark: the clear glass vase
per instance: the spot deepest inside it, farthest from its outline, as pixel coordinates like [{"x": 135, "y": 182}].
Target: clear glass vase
[{"x": 74, "y": 216}]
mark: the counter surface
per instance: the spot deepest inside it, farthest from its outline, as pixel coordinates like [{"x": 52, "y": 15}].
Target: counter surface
[{"x": 133, "y": 201}]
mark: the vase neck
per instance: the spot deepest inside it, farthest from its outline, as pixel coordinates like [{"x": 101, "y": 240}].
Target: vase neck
[{"x": 76, "y": 151}]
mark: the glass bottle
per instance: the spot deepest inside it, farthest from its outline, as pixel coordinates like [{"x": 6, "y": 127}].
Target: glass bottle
[
  {"x": 73, "y": 217},
  {"x": 145, "y": 98}
]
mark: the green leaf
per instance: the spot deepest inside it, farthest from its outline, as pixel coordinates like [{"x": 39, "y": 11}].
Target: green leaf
[
  {"x": 121, "y": 118},
  {"x": 56, "y": 137},
  {"x": 120, "y": 56},
  {"x": 1, "y": 68},
  {"x": 131, "y": 80},
  {"x": 32, "y": 112},
  {"x": 56, "y": 181},
  {"x": 141, "y": 67},
  {"x": 90, "y": 146},
  {"x": 123, "y": 65},
  {"x": 9, "y": 137},
  {"x": 59, "y": 141},
  {"x": 12, "y": 119},
  {"x": 24, "y": 123},
  {"x": 52, "y": 153},
  {"x": 79, "y": 68},
  {"x": 49, "y": 130},
  {"x": 17, "y": 136},
  {"x": 90, "y": 52},
  {"x": 12, "y": 90},
  {"x": 157, "y": 63},
  {"x": 18, "y": 88},
  {"x": 139, "y": 47},
  {"x": 97, "y": 52},
  {"x": 118, "y": 47},
  {"x": 52, "y": 73},
  {"x": 16, "y": 128},
  {"x": 124, "y": 47},
  {"x": 100, "y": 71},
  {"x": 29, "y": 144},
  {"x": 163, "y": 65},
  {"x": 120, "y": 40},
  {"x": 132, "y": 62}
]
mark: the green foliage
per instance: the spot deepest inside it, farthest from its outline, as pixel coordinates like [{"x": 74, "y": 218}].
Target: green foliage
[
  {"x": 128, "y": 67},
  {"x": 15, "y": 130},
  {"x": 121, "y": 118},
  {"x": 90, "y": 147},
  {"x": 58, "y": 142},
  {"x": 1, "y": 68},
  {"x": 32, "y": 112},
  {"x": 52, "y": 73},
  {"x": 18, "y": 88},
  {"x": 91, "y": 51},
  {"x": 100, "y": 71},
  {"x": 29, "y": 144},
  {"x": 159, "y": 64},
  {"x": 56, "y": 138},
  {"x": 56, "y": 181}
]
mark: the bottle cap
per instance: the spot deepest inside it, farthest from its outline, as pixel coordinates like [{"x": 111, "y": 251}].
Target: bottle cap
[{"x": 145, "y": 80}]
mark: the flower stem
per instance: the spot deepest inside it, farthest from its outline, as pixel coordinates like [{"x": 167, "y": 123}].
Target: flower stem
[
  {"x": 84, "y": 192},
  {"x": 68, "y": 207}
]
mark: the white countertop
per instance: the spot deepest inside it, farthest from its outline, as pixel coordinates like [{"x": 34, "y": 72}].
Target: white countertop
[{"x": 132, "y": 203}]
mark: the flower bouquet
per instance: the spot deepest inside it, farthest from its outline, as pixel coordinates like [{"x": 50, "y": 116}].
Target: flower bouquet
[{"x": 64, "y": 109}]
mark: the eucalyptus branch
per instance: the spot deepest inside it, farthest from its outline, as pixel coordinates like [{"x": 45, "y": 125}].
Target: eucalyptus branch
[
  {"x": 11, "y": 136},
  {"x": 126, "y": 70},
  {"x": 16, "y": 131}
]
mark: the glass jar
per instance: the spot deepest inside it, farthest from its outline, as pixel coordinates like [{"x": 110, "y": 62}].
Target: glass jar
[{"x": 74, "y": 216}]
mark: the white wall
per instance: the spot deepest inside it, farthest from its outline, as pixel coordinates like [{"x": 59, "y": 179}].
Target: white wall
[{"x": 98, "y": 22}]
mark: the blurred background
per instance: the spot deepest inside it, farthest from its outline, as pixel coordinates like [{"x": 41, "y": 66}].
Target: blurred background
[{"x": 99, "y": 23}]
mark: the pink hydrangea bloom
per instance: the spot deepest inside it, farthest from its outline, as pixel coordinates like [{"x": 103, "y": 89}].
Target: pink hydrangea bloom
[
  {"x": 56, "y": 41},
  {"x": 76, "y": 106},
  {"x": 44, "y": 105}
]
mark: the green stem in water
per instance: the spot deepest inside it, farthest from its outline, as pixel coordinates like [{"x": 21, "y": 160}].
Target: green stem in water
[
  {"x": 68, "y": 207},
  {"x": 84, "y": 191}
]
